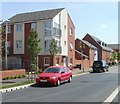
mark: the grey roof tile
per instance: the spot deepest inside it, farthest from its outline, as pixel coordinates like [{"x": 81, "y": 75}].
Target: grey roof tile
[{"x": 38, "y": 15}]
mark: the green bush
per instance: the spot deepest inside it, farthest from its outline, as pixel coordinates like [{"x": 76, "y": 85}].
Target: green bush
[
  {"x": 11, "y": 77},
  {"x": 19, "y": 76},
  {"x": 15, "y": 77},
  {"x": 23, "y": 76}
]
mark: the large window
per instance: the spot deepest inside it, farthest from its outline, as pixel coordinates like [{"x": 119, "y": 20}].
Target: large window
[
  {"x": 48, "y": 24},
  {"x": 19, "y": 27},
  {"x": 47, "y": 45},
  {"x": 34, "y": 26},
  {"x": 18, "y": 44},
  {"x": 48, "y": 27},
  {"x": 46, "y": 61},
  {"x": 47, "y": 32}
]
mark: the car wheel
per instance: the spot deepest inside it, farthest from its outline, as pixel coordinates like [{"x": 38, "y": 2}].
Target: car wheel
[
  {"x": 107, "y": 69},
  {"x": 70, "y": 79},
  {"x": 58, "y": 82}
]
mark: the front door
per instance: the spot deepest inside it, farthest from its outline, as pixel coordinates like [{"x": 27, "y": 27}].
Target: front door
[{"x": 96, "y": 55}]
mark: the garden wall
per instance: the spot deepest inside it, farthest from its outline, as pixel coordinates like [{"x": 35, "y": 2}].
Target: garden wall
[{"x": 10, "y": 73}]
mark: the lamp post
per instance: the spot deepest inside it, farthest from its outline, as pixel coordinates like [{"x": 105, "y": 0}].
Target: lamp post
[{"x": 6, "y": 44}]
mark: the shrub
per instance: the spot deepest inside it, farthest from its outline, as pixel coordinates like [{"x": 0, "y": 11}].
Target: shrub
[
  {"x": 11, "y": 77},
  {"x": 15, "y": 77},
  {"x": 23, "y": 76},
  {"x": 19, "y": 76}
]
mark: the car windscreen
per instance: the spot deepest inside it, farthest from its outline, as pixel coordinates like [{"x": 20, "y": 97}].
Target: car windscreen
[
  {"x": 97, "y": 62},
  {"x": 52, "y": 70}
]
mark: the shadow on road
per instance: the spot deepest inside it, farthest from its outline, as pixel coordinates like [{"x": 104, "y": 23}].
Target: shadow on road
[{"x": 45, "y": 85}]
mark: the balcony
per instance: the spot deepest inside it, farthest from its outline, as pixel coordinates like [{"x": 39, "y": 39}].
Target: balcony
[
  {"x": 53, "y": 32},
  {"x": 56, "y": 32}
]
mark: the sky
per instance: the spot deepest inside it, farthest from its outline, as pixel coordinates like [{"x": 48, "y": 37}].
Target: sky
[{"x": 99, "y": 19}]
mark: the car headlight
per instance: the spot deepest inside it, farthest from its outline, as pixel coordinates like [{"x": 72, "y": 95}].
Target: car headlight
[{"x": 53, "y": 77}]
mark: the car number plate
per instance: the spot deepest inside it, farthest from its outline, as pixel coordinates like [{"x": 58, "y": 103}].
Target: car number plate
[{"x": 43, "y": 80}]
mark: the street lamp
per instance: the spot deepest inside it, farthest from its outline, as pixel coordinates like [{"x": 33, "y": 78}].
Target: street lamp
[{"x": 6, "y": 44}]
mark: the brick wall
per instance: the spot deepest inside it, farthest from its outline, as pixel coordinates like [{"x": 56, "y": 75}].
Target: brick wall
[
  {"x": 71, "y": 39},
  {"x": 86, "y": 63},
  {"x": 10, "y": 73}
]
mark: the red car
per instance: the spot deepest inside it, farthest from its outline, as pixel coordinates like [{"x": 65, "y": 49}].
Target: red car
[{"x": 55, "y": 75}]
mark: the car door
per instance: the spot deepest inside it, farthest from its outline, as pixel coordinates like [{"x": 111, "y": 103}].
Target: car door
[
  {"x": 63, "y": 74},
  {"x": 67, "y": 73}
]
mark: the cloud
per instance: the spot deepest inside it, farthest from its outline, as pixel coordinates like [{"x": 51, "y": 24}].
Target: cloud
[{"x": 103, "y": 26}]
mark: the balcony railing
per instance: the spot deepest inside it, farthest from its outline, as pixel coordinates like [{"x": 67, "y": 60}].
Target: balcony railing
[{"x": 53, "y": 32}]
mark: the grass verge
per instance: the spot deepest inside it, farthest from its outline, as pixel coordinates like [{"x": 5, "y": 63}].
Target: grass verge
[{"x": 17, "y": 84}]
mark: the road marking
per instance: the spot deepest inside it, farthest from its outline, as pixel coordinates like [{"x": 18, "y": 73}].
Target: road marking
[{"x": 113, "y": 95}]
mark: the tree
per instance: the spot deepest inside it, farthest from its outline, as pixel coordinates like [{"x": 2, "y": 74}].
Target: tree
[
  {"x": 53, "y": 48},
  {"x": 1, "y": 39},
  {"x": 33, "y": 48},
  {"x": 114, "y": 56}
]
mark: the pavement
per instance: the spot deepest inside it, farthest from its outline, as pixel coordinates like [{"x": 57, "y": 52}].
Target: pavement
[{"x": 15, "y": 81}]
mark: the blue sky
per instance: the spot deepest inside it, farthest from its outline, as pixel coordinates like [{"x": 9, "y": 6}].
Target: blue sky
[{"x": 96, "y": 18}]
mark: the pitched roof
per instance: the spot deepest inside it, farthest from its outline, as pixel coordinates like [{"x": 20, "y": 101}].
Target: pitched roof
[
  {"x": 38, "y": 15},
  {"x": 95, "y": 38},
  {"x": 103, "y": 47},
  {"x": 114, "y": 46},
  {"x": 89, "y": 44}
]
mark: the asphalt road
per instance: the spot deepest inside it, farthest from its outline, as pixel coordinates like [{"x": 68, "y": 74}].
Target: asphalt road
[{"x": 93, "y": 87}]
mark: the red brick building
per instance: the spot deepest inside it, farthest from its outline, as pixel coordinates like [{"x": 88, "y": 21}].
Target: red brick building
[
  {"x": 103, "y": 50},
  {"x": 86, "y": 54}
]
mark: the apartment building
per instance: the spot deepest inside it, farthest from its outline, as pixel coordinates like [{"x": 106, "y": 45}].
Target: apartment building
[{"x": 49, "y": 24}]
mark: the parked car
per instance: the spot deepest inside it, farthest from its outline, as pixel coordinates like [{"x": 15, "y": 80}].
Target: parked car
[
  {"x": 54, "y": 75},
  {"x": 100, "y": 66}
]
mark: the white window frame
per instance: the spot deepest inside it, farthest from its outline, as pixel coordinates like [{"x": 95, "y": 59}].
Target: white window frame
[
  {"x": 33, "y": 26},
  {"x": 19, "y": 27},
  {"x": 46, "y": 64},
  {"x": 71, "y": 31},
  {"x": 18, "y": 44}
]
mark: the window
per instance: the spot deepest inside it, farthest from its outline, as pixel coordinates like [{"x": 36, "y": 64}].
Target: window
[
  {"x": 48, "y": 24},
  {"x": 8, "y": 29},
  {"x": 65, "y": 27},
  {"x": 19, "y": 44},
  {"x": 71, "y": 46},
  {"x": 70, "y": 31},
  {"x": 47, "y": 45},
  {"x": 33, "y": 26},
  {"x": 99, "y": 42},
  {"x": 47, "y": 32},
  {"x": 66, "y": 69},
  {"x": 8, "y": 47},
  {"x": 46, "y": 61},
  {"x": 8, "y": 43},
  {"x": 65, "y": 43},
  {"x": 71, "y": 60},
  {"x": 19, "y": 27}
]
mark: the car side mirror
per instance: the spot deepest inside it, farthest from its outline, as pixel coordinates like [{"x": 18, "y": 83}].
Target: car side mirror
[{"x": 62, "y": 72}]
